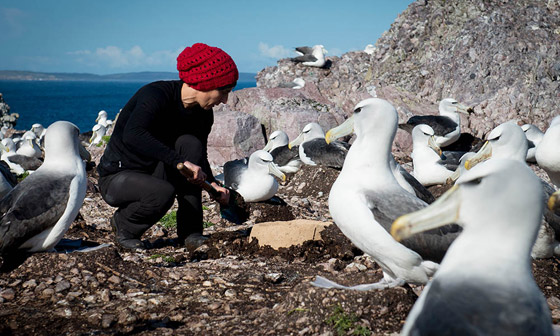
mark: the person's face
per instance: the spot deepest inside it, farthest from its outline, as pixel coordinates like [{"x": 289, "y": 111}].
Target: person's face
[{"x": 209, "y": 99}]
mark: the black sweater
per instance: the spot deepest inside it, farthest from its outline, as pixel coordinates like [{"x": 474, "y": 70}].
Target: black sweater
[{"x": 148, "y": 126}]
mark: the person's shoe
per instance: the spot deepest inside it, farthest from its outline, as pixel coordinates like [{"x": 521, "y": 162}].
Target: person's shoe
[
  {"x": 128, "y": 243},
  {"x": 195, "y": 240}
]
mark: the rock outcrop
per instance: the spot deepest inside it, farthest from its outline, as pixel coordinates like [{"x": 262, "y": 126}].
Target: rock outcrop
[
  {"x": 500, "y": 57},
  {"x": 6, "y": 118}
]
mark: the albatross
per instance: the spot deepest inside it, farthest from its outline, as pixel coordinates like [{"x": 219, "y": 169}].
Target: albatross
[
  {"x": 507, "y": 141},
  {"x": 446, "y": 125},
  {"x": 427, "y": 157},
  {"x": 315, "y": 150},
  {"x": 38, "y": 211},
  {"x": 534, "y": 136},
  {"x": 285, "y": 157},
  {"x": 484, "y": 285},
  {"x": 311, "y": 56},
  {"x": 366, "y": 198},
  {"x": 254, "y": 178},
  {"x": 547, "y": 153}
]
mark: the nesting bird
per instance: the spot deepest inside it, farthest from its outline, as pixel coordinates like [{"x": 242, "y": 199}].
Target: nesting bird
[
  {"x": 366, "y": 198},
  {"x": 484, "y": 284},
  {"x": 254, "y": 178},
  {"x": 311, "y": 56},
  {"x": 98, "y": 131},
  {"x": 296, "y": 84},
  {"x": 315, "y": 150},
  {"x": 427, "y": 157},
  {"x": 285, "y": 157},
  {"x": 28, "y": 146},
  {"x": 446, "y": 125},
  {"x": 38, "y": 211},
  {"x": 534, "y": 136},
  {"x": 18, "y": 163},
  {"x": 548, "y": 154},
  {"x": 102, "y": 119}
]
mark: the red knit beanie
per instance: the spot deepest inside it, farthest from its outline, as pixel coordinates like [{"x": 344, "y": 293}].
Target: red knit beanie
[{"x": 206, "y": 68}]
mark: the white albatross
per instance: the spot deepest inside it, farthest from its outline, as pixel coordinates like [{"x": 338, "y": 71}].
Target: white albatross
[
  {"x": 427, "y": 157},
  {"x": 38, "y": 211},
  {"x": 311, "y": 56},
  {"x": 254, "y": 178},
  {"x": 534, "y": 136},
  {"x": 98, "y": 131},
  {"x": 507, "y": 141},
  {"x": 315, "y": 150},
  {"x": 366, "y": 198},
  {"x": 285, "y": 157},
  {"x": 446, "y": 125},
  {"x": 484, "y": 285},
  {"x": 548, "y": 154}
]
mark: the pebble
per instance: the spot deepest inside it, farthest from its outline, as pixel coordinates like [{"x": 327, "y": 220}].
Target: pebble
[
  {"x": 62, "y": 286},
  {"x": 107, "y": 320},
  {"x": 229, "y": 293},
  {"x": 114, "y": 279},
  {"x": 8, "y": 294}
]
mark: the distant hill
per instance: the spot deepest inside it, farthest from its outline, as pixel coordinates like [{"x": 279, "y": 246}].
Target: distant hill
[{"x": 144, "y": 76}]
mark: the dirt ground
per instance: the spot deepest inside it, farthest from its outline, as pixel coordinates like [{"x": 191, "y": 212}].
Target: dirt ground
[{"x": 229, "y": 286}]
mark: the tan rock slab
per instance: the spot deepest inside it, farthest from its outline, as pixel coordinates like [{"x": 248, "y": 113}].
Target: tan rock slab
[{"x": 287, "y": 233}]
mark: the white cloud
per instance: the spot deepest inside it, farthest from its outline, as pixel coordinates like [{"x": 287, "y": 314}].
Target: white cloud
[
  {"x": 118, "y": 58},
  {"x": 277, "y": 51}
]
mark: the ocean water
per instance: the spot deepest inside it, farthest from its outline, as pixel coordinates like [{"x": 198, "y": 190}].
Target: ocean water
[{"x": 79, "y": 102}]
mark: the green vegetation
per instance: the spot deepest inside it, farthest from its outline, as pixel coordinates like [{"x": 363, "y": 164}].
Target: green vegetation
[
  {"x": 169, "y": 220},
  {"x": 168, "y": 259},
  {"x": 104, "y": 140},
  {"x": 343, "y": 322},
  {"x": 297, "y": 310},
  {"x": 22, "y": 177},
  {"x": 204, "y": 207},
  {"x": 207, "y": 224}
]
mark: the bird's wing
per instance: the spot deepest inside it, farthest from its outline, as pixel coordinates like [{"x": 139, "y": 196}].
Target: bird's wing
[
  {"x": 26, "y": 162},
  {"x": 330, "y": 155},
  {"x": 440, "y": 124},
  {"x": 475, "y": 308},
  {"x": 304, "y": 50},
  {"x": 5, "y": 170},
  {"x": 233, "y": 170},
  {"x": 305, "y": 58},
  {"x": 387, "y": 207},
  {"x": 283, "y": 155},
  {"x": 31, "y": 207},
  {"x": 420, "y": 191},
  {"x": 451, "y": 159}
]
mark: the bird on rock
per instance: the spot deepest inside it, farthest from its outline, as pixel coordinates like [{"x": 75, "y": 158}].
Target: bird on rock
[{"x": 311, "y": 56}]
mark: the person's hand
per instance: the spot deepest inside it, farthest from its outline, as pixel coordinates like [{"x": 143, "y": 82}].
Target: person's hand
[
  {"x": 224, "y": 194},
  {"x": 198, "y": 176}
]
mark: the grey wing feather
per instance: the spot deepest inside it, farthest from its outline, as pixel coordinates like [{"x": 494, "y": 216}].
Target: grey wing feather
[
  {"x": 432, "y": 244},
  {"x": 472, "y": 308},
  {"x": 451, "y": 159},
  {"x": 233, "y": 171},
  {"x": 30, "y": 208},
  {"x": 304, "y": 58},
  {"x": 440, "y": 124},
  {"x": 330, "y": 155},
  {"x": 304, "y": 50},
  {"x": 420, "y": 191},
  {"x": 8, "y": 175},
  {"x": 26, "y": 162},
  {"x": 283, "y": 155}
]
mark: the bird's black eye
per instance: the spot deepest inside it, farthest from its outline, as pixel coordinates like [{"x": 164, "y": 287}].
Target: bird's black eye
[{"x": 357, "y": 110}]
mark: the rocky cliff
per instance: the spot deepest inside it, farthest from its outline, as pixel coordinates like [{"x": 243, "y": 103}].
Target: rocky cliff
[{"x": 500, "y": 57}]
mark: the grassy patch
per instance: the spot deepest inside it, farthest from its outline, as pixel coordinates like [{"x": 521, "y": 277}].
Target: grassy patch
[
  {"x": 104, "y": 140},
  {"x": 168, "y": 259},
  {"x": 169, "y": 220},
  {"x": 22, "y": 177},
  {"x": 207, "y": 224},
  {"x": 342, "y": 322},
  {"x": 204, "y": 207}
]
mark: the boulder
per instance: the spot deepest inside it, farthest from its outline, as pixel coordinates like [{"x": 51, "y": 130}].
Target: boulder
[{"x": 287, "y": 233}]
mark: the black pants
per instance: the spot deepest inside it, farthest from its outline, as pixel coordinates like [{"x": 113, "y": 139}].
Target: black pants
[{"x": 142, "y": 199}]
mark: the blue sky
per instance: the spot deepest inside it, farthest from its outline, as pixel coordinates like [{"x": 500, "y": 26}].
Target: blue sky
[{"x": 115, "y": 36}]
